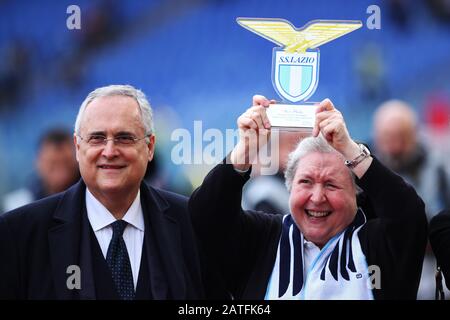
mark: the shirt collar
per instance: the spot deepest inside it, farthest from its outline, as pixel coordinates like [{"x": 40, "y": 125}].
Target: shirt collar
[
  {"x": 100, "y": 217},
  {"x": 309, "y": 245}
]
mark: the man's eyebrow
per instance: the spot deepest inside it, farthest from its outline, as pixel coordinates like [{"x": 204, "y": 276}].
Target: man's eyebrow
[
  {"x": 97, "y": 133},
  {"x": 124, "y": 133},
  {"x": 333, "y": 181},
  {"x": 103, "y": 133},
  {"x": 304, "y": 175}
]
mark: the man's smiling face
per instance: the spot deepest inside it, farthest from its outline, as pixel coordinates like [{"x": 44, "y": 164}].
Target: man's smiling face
[
  {"x": 323, "y": 197},
  {"x": 113, "y": 169}
]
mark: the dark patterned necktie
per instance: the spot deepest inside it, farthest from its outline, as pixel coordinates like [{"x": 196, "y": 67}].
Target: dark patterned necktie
[{"x": 119, "y": 262}]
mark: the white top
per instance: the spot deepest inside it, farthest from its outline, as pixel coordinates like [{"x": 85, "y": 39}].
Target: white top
[
  {"x": 310, "y": 253},
  {"x": 323, "y": 278},
  {"x": 101, "y": 219}
]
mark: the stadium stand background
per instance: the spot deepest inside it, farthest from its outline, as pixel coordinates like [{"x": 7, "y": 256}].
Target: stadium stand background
[{"x": 195, "y": 63}]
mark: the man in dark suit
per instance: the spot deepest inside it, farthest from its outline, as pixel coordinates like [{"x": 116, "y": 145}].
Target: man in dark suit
[{"x": 110, "y": 236}]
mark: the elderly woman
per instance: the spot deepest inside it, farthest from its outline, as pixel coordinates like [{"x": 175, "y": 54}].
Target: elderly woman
[{"x": 325, "y": 248}]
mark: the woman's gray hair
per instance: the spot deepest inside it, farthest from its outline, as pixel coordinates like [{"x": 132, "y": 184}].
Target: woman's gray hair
[
  {"x": 120, "y": 90},
  {"x": 305, "y": 147}
]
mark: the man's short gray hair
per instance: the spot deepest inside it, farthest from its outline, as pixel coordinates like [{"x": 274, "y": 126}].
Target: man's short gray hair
[
  {"x": 305, "y": 147},
  {"x": 120, "y": 90}
]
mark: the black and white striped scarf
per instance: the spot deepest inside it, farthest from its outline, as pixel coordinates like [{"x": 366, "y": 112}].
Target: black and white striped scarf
[{"x": 339, "y": 271}]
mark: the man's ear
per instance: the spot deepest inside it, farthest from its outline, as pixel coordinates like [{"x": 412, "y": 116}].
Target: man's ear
[{"x": 151, "y": 147}]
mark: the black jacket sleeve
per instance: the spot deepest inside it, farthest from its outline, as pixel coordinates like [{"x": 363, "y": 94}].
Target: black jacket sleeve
[
  {"x": 233, "y": 239},
  {"x": 440, "y": 242},
  {"x": 395, "y": 239},
  {"x": 9, "y": 267}
]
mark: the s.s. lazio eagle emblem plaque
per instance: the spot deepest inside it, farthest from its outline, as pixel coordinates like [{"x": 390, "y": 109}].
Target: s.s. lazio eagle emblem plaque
[
  {"x": 295, "y": 63},
  {"x": 295, "y": 75}
]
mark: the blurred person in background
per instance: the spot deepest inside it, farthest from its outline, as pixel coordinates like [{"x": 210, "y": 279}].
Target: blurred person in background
[
  {"x": 56, "y": 170},
  {"x": 168, "y": 179},
  {"x": 268, "y": 193},
  {"x": 15, "y": 71},
  {"x": 371, "y": 70},
  {"x": 398, "y": 145}
]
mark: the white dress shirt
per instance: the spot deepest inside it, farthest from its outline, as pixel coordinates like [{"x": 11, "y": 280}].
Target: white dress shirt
[{"x": 101, "y": 219}]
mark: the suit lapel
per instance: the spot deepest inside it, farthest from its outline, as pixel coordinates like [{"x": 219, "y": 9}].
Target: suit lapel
[
  {"x": 69, "y": 234},
  {"x": 64, "y": 243},
  {"x": 87, "y": 291},
  {"x": 162, "y": 242}
]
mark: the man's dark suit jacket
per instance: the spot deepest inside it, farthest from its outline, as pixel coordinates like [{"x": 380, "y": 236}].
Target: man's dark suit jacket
[{"x": 38, "y": 242}]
